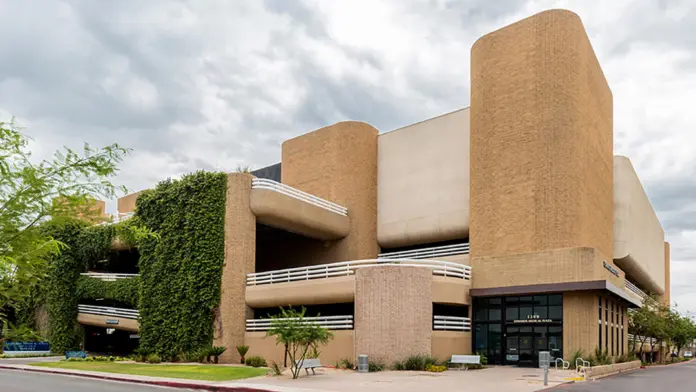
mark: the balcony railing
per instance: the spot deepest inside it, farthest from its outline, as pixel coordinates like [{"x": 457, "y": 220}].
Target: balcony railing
[
  {"x": 633, "y": 288},
  {"x": 108, "y": 311},
  {"x": 329, "y": 322},
  {"x": 108, "y": 277},
  {"x": 262, "y": 183},
  {"x": 344, "y": 268},
  {"x": 451, "y": 323},
  {"x": 119, "y": 218},
  {"x": 429, "y": 253}
]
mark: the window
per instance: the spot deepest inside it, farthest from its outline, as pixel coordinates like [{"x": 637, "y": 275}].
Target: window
[
  {"x": 512, "y": 314},
  {"x": 606, "y": 324},
  {"x": 612, "y": 328},
  {"x": 556, "y": 312},
  {"x": 494, "y": 314},
  {"x": 600, "y": 322}
]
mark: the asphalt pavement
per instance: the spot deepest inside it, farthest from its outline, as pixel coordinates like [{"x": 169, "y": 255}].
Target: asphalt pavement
[
  {"x": 680, "y": 377},
  {"x": 20, "y": 381}
]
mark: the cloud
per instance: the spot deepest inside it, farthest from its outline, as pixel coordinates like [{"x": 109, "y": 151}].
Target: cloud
[{"x": 211, "y": 85}]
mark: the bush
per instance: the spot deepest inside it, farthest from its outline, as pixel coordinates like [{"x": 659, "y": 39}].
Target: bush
[
  {"x": 375, "y": 365},
  {"x": 415, "y": 362},
  {"x": 345, "y": 363},
  {"x": 256, "y": 361},
  {"x": 436, "y": 368},
  {"x": 140, "y": 354},
  {"x": 626, "y": 358},
  {"x": 153, "y": 358},
  {"x": 600, "y": 357},
  {"x": 577, "y": 354},
  {"x": 242, "y": 350},
  {"x": 215, "y": 352}
]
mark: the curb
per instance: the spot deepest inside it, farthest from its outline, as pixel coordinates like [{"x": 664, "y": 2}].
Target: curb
[{"x": 171, "y": 384}]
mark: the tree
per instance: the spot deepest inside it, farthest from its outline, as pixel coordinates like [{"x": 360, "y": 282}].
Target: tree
[
  {"x": 31, "y": 192},
  {"x": 298, "y": 334}
]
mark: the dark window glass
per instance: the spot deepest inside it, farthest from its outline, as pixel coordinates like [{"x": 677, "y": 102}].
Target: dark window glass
[
  {"x": 540, "y": 338},
  {"x": 541, "y": 312},
  {"x": 540, "y": 300},
  {"x": 494, "y": 314},
  {"x": 526, "y": 312},
  {"x": 512, "y": 314},
  {"x": 495, "y": 301},
  {"x": 556, "y": 313},
  {"x": 526, "y": 300},
  {"x": 556, "y": 299},
  {"x": 481, "y": 338},
  {"x": 480, "y": 313},
  {"x": 512, "y": 300}
]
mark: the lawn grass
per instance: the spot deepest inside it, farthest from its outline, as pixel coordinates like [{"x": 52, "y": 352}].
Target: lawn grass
[{"x": 191, "y": 372}]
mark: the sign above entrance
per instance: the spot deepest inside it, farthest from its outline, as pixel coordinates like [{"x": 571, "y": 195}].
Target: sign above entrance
[
  {"x": 532, "y": 319},
  {"x": 611, "y": 269}
]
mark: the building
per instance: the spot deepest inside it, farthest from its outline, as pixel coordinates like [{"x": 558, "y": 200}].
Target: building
[{"x": 505, "y": 228}]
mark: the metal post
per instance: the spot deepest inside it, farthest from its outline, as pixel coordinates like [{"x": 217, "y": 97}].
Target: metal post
[{"x": 546, "y": 376}]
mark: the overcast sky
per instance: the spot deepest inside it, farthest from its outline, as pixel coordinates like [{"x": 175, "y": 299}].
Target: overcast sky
[{"x": 215, "y": 84}]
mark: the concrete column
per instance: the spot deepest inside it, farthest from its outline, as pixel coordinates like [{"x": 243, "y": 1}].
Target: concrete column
[
  {"x": 240, "y": 259},
  {"x": 580, "y": 323}
]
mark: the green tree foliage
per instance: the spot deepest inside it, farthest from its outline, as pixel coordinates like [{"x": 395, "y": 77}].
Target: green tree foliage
[
  {"x": 180, "y": 272},
  {"x": 297, "y": 334},
  {"x": 28, "y": 194},
  {"x": 125, "y": 291}
]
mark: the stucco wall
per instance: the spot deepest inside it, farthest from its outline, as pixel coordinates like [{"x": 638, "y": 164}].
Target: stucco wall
[
  {"x": 580, "y": 320},
  {"x": 667, "y": 296},
  {"x": 608, "y": 370},
  {"x": 100, "y": 321},
  {"x": 639, "y": 247},
  {"x": 341, "y": 346},
  {"x": 393, "y": 312},
  {"x": 541, "y": 140},
  {"x": 127, "y": 203},
  {"x": 334, "y": 290},
  {"x": 448, "y": 343},
  {"x": 423, "y": 182},
  {"x": 240, "y": 258}
]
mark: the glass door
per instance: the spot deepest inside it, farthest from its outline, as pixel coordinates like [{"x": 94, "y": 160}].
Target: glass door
[{"x": 526, "y": 347}]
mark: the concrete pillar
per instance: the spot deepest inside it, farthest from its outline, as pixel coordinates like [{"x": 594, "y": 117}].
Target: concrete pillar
[{"x": 580, "y": 323}]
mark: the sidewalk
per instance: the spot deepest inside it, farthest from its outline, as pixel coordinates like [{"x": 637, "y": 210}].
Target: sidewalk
[{"x": 495, "y": 379}]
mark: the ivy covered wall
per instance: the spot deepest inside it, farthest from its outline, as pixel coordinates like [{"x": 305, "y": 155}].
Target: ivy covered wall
[{"x": 181, "y": 270}]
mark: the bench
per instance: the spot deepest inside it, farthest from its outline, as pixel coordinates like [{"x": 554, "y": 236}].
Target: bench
[
  {"x": 466, "y": 360},
  {"x": 309, "y": 363}
]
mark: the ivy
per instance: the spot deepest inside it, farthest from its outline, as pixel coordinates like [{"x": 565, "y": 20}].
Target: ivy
[
  {"x": 180, "y": 272},
  {"x": 124, "y": 291}
]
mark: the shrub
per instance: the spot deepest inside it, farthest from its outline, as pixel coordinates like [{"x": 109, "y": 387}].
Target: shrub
[
  {"x": 153, "y": 358},
  {"x": 600, "y": 357},
  {"x": 484, "y": 358},
  {"x": 141, "y": 354},
  {"x": 626, "y": 358},
  {"x": 375, "y": 365},
  {"x": 215, "y": 352},
  {"x": 242, "y": 350},
  {"x": 436, "y": 368},
  {"x": 256, "y": 361},
  {"x": 577, "y": 354},
  {"x": 275, "y": 368},
  {"x": 398, "y": 365},
  {"x": 345, "y": 363},
  {"x": 419, "y": 362}
]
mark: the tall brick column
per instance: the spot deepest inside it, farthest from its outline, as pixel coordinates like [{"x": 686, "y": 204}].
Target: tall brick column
[{"x": 240, "y": 259}]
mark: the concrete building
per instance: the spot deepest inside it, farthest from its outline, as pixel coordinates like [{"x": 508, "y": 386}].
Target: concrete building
[{"x": 505, "y": 228}]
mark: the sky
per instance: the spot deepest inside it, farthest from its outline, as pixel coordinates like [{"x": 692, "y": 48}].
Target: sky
[{"x": 214, "y": 85}]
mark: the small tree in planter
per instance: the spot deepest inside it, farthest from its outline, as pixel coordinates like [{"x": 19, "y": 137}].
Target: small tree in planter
[
  {"x": 215, "y": 352},
  {"x": 297, "y": 334},
  {"x": 242, "y": 350}
]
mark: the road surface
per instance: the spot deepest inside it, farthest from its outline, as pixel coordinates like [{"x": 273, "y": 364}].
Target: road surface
[
  {"x": 19, "y": 381},
  {"x": 665, "y": 378}
]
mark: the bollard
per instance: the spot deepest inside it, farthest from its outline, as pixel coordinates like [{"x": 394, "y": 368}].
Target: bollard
[
  {"x": 363, "y": 364},
  {"x": 546, "y": 376}
]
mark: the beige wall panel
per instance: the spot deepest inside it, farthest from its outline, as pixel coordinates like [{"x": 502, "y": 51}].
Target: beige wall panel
[
  {"x": 541, "y": 140},
  {"x": 423, "y": 182},
  {"x": 460, "y": 259},
  {"x": 639, "y": 247},
  {"x": 307, "y": 292},
  {"x": 288, "y": 213},
  {"x": 240, "y": 257},
  {"x": 667, "y": 296},
  {"x": 100, "y": 321},
  {"x": 550, "y": 266},
  {"x": 580, "y": 323},
  {"x": 341, "y": 346},
  {"x": 451, "y": 290},
  {"x": 127, "y": 203},
  {"x": 338, "y": 163},
  {"x": 393, "y": 312},
  {"x": 448, "y": 343}
]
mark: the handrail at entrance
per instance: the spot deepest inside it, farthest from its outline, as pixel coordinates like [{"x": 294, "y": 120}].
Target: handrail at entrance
[{"x": 344, "y": 268}]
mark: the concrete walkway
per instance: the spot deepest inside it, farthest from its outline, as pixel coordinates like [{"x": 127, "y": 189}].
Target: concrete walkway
[{"x": 494, "y": 379}]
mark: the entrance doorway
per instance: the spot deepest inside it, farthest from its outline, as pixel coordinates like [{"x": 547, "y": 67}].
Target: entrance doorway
[{"x": 513, "y": 330}]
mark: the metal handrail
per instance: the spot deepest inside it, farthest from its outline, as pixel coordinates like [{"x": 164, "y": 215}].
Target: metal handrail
[
  {"x": 451, "y": 323},
  {"x": 329, "y": 322},
  {"x": 109, "y": 311},
  {"x": 107, "y": 277},
  {"x": 344, "y": 268},
  {"x": 565, "y": 365},
  {"x": 426, "y": 253},
  {"x": 263, "y": 183},
  {"x": 583, "y": 364},
  {"x": 633, "y": 288}
]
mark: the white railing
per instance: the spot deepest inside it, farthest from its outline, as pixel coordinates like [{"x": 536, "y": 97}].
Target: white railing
[
  {"x": 262, "y": 183},
  {"x": 108, "y": 277},
  {"x": 647, "y": 341},
  {"x": 443, "y": 268},
  {"x": 633, "y": 288},
  {"x": 120, "y": 217},
  {"x": 428, "y": 253},
  {"x": 329, "y": 322},
  {"x": 451, "y": 323},
  {"x": 108, "y": 311}
]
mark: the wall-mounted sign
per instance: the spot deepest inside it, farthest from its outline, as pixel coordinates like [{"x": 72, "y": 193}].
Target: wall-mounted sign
[
  {"x": 611, "y": 269},
  {"x": 111, "y": 322},
  {"x": 26, "y": 346},
  {"x": 532, "y": 319}
]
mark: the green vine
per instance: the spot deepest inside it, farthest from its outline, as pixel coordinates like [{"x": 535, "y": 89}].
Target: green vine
[
  {"x": 181, "y": 270},
  {"x": 124, "y": 291}
]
